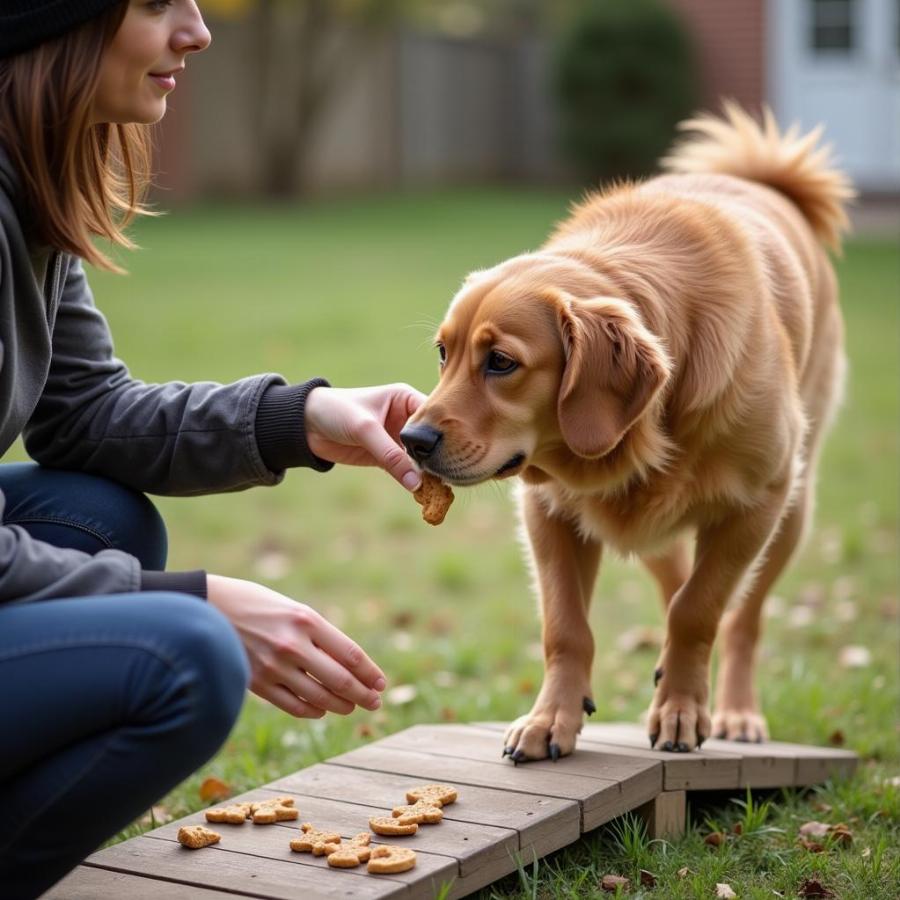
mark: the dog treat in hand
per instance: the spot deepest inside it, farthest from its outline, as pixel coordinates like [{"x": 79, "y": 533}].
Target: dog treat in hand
[
  {"x": 196, "y": 836},
  {"x": 434, "y": 497},
  {"x": 392, "y": 826},
  {"x": 387, "y": 860},
  {"x": 435, "y": 794}
]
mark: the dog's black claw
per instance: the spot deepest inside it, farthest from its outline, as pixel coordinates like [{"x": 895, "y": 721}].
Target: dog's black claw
[
  {"x": 588, "y": 706},
  {"x": 720, "y": 736},
  {"x": 759, "y": 740},
  {"x": 518, "y": 756},
  {"x": 668, "y": 745},
  {"x": 657, "y": 674},
  {"x": 700, "y": 741},
  {"x": 507, "y": 751},
  {"x": 653, "y": 739},
  {"x": 681, "y": 747},
  {"x": 742, "y": 739},
  {"x": 554, "y": 752}
]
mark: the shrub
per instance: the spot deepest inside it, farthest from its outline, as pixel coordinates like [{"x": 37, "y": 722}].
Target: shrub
[{"x": 623, "y": 76}]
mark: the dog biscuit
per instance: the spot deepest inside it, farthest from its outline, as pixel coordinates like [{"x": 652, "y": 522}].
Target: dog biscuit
[
  {"x": 196, "y": 836},
  {"x": 275, "y": 810},
  {"x": 231, "y": 815},
  {"x": 435, "y": 794},
  {"x": 434, "y": 497},
  {"x": 346, "y": 856},
  {"x": 390, "y": 825},
  {"x": 419, "y": 812},
  {"x": 387, "y": 860},
  {"x": 313, "y": 840}
]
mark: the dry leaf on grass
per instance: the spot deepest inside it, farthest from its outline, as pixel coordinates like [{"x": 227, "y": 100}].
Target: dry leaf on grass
[
  {"x": 609, "y": 883},
  {"x": 812, "y": 887},
  {"x": 648, "y": 879},
  {"x": 724, "y": 890},
  {"x": 683, "y": 872},
  {"x": 213, "y": 789},
  {"x": 815, "y": 829},
  {"x": 716, "y": 839},
  {"x": 854, "y": 656}
]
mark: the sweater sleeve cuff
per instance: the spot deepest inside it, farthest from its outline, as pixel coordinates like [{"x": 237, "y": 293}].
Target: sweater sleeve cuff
[
  {"x": 281, "y": 429},
  {"x": 180, "y": 582}
]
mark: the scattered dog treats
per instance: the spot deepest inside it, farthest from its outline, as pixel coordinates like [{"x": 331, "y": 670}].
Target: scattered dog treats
[
  {"x": 434, "y": 497},
  {"x": 196, "y": 836},
  {"x": 232, "y": 815},
  {"x": 436, "y": 794},
  {"x": 279, "y": 809},
  {"x": 313, "y": 840},
  {"x": 419, "y": 812},
  {"x": 387, "y": 860},
  {"x": 390, "y": 825},
  {"x": 350, "y": 855}
]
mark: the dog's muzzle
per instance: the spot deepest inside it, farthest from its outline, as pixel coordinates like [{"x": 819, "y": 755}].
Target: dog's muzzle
[{"x": 421, "y": 441}]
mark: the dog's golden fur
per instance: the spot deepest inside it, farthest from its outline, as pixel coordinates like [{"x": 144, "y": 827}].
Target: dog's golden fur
[{"x": 660, "y": 374}]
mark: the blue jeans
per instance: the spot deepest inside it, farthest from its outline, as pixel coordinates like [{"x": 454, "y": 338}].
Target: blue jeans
[{"x": 107, "y": 702}]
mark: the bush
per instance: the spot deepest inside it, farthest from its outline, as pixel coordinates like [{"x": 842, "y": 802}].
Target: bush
[{"x": 624, "y": 76}]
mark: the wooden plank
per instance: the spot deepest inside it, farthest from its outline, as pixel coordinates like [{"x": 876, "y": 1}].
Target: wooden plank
[
  {"x": 269, "y": 878},
  {"x": 600, "y": 799},
  {"x": 470, "y": 845},
  {"x": 638, "y": 779},
  {"x": 88, "y": 883},
  {"x": 665, "y": 815},
  {"x": 770, "y": 764},
  {"x": 543, "y": 824},
  {"x": 700, "y": 770}
]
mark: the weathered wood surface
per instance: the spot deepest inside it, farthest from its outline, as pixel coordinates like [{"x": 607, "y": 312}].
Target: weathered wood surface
[{"x": 506, "y": 815}]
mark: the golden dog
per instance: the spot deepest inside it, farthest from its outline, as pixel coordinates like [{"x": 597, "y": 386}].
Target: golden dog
[{"x": 659, "y": 375}]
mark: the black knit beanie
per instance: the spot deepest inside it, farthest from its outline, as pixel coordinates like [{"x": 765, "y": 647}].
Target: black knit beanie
[{"x": 26, "y": 23}]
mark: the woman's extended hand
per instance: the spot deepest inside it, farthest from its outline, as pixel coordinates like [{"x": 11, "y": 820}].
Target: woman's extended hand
[
  {"x": 299, "y": 662},
  {"x": 361, "y": 427}
]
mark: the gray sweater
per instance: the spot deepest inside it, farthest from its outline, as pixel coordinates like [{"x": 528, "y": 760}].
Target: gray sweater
[{"x": 78, "y": 408}]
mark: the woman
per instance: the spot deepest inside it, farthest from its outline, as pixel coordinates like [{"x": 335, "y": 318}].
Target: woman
[{"x": 117, "y": 680}]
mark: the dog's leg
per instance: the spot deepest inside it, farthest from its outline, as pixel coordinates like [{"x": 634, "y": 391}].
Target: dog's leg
[
  {"x": 737, "y": 714},
  {"x": 566, "y": 566},
  {"x": 726, "y": 553}
]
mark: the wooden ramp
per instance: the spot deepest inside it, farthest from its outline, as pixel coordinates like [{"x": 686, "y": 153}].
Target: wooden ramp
[{"x": 505, "y": 813}]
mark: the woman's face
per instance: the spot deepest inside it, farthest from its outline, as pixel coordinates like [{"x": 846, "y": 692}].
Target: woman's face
[{"x": 139, "y": 67}]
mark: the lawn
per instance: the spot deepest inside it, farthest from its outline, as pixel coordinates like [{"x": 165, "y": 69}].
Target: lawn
[{"x": 353, "y": 291}]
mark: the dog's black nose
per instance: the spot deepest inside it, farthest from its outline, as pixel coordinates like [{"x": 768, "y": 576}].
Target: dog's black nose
[{"x": 420, "y": 441}]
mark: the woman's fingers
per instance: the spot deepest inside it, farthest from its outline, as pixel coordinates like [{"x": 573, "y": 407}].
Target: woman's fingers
[
  {"x": 314, "y": 693},
  {"x": 278, "y": 695}
]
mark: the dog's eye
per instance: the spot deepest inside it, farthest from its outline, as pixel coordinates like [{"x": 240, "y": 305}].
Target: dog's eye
[
  {"x": 442, "y": 353},
  {"x": 500, "y": 363}
]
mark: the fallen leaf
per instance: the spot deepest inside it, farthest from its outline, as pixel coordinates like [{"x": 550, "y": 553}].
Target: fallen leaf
[
  {"x": 641, "y": 637},
  {"x": 214, "y": 789},
  {"x": 716, "y": 839},
  {"x": 812, "y": 887},
  {"x": 811, "y": 846},
  {"x": 648, "y": 879},
  {"x": 836, "y": 738},
  {"x": 737, "y": 828},
  {"x": 854, "y": 656},
  {"x": 609, "y": 883},
  {"x": 842, "y": 835},
  {"x": 724, "y": 890},
  {"x": 866, "y": 853},
  {"x": 815, "y": 829},
  {"x": 401, "y": 694},
  {"x": 448, "y": 714},
  {"x": 683, "y": 872},
  {"x": 822, "y": 807},
  {"x": 364, "y": 730}
]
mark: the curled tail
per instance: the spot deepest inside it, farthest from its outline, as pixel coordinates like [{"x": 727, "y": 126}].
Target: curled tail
[{"x": 736, "y": 144}]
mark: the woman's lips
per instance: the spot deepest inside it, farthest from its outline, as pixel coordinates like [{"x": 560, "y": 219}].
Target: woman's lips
[{"x": 166, "y": 82}]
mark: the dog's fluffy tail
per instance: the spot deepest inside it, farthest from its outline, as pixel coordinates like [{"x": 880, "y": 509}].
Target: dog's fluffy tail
[{"x": 794, "y": 164}]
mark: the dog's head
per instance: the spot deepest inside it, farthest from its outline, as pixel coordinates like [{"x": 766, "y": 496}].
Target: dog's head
[{"x": 533, "y": 360}]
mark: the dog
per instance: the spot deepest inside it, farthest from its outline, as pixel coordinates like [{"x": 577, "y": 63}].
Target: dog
[{"x": 659, "y": 376}]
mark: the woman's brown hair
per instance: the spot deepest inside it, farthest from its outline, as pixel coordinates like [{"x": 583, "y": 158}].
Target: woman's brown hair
[{"x": 80, "y": 179}]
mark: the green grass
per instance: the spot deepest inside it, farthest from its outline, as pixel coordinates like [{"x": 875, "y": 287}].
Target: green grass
[{"x": 353, "y": 291}]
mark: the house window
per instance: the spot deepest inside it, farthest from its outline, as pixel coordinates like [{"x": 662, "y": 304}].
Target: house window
[{"x": 833, "y": 25}]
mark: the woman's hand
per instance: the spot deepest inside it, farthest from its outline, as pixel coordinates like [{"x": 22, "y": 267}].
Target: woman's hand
[
  {"x": 299, "y": 662},
  {"x": 361, "y": 427}
]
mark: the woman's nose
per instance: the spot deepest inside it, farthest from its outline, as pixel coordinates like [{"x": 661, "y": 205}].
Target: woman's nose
[{"x": 192, "y": 36}]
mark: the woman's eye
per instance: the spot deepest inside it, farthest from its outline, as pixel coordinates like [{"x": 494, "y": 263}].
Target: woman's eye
[
  {"x": 498, "y": 362},
  {"x": 442, "y": 353}
]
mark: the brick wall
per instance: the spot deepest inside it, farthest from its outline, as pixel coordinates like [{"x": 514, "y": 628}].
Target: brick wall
[{"x": 729, "y": 37}]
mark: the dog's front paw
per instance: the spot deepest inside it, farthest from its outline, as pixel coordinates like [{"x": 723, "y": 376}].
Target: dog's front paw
[
  {"x": 549, "y": 730},
  {"x": 679, "y": 718},
  {"x": 746, "y": 725}
]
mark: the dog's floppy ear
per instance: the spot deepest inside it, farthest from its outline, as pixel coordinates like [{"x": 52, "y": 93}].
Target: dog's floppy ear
[{"x": 614, "y": 369}]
